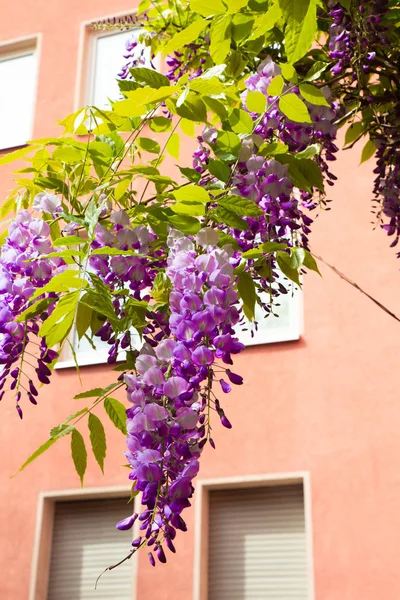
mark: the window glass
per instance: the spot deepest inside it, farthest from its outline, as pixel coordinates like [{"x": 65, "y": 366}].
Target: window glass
[
  {"x": 17, "y": 98},
  {"x": 109, "y": 58}
]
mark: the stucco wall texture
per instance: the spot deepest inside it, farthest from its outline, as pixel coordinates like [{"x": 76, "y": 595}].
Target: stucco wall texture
[{"x": 327, "y": 404}]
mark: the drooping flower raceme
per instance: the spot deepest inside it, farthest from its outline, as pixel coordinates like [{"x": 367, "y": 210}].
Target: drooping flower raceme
[
  {"x": 173, "y": 390},
  {"x": 24, "y": 268}
]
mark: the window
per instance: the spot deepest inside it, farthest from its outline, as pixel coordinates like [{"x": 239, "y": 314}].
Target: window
[
  {"x": 18, "y": 66},
  {"x": 284, "y": 327},
  {"x": 257, "y": 547},
  {"x": 108, "y": 58},
  {"x": 85, "y": 542}
]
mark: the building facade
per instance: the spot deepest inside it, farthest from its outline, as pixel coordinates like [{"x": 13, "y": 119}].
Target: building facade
[{"x": 300, "y": 499}]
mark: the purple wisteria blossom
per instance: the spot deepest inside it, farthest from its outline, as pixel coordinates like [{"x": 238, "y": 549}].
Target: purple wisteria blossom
[
  {"x": 172, "y": 392},
  {"x": 23, "y": 269}
]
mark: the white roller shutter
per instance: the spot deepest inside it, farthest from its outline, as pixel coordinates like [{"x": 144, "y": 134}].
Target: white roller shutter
[
  {"x": 257, "y": 544},
  {"x": 85, "y": 542}
]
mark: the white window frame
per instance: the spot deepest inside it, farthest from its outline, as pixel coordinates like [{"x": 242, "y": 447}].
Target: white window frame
[
  {"x": 40, "y": 566},
  {"x": 204, "y": 486},
  {"x": 87, "y": 56},
  {"x": 291, "y": 332},
  {"x": 16, "y": 48}
]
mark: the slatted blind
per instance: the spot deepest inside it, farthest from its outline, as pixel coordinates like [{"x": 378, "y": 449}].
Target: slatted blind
[
  {"x": 257, "y": 544},
  {"x": 85, "y": 542}
]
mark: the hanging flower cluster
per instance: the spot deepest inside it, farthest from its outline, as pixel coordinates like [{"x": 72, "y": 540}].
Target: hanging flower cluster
[
  {"x": 387, "y": 181},
  {"x": 23, "y": 269},
  {"x": 268, "y": 183},
  {"x": 353, "y": 40},
  {"x": 172, "y": 392}
]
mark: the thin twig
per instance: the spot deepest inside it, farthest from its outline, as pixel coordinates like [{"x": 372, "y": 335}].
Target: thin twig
[{"x": 357, "y": 287}]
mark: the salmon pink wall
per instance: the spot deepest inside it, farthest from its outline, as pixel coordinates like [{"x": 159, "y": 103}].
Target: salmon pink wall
[{"x": 327, "y": 404}]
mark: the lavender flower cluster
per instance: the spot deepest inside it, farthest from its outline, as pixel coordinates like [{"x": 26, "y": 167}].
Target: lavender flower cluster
[
  {"x": 353, "y": 36},
  {"x": 172, "y": 392},
  {"x": 267, "y": 182},
  {"x": 23, "y": 269},
  {"x": 134, "y": 272}
]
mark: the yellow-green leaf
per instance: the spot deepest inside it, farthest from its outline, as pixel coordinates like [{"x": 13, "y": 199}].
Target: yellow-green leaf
[
  {"x": 294, "y": 108},
  {"x": 79, "y": 454},
  {"x": 97, "y": 439},
  {"x": 256, "y": 102},
  {"x": 276, "y": 86},
  {"x": 313, "y": 95},
  {"x": 173, "y": 145},
  {"x": 187, "y": 35},
  {"x": 368, "y": 151},
  {"x": 191, "y": 193}
]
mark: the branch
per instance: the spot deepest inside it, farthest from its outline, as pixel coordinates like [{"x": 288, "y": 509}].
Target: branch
[{"x": 355, "y": 285}]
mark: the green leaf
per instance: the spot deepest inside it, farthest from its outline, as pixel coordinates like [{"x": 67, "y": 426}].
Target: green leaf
[
  {"x": 148, "y": 145},
  {"x": 11, "y": 156},
  {"x": 79, "y": 454},
  {"x": 193, "y": 209},
  {"x": 241, "y": 121},
  {"x": 242, "y": 26},
  {"x": 37, "y": 453},
  {"x": 191, "y": 193},
  {"x": 276, "y": 86},
  {"x": 316, "y": 70},
  {"x": 216, "y": 107},
  {"x": 345, "y": 3},
  {"x": 285, "y": 264},
  {"x": 309, "y": 152},
  {"x": 235, "y": 5},
  {"x": 188, "y": 35},
  {"x": 353, "y": 132},
  {"x": 235, "y": 64},
  {"x": 294, "y": 108},
  {"x": 313, "y": 95},
  {"x": 206, "y": 8},
  {"x": 94, "y": 393},
  {"x": 224, "y": 215},
  {"x": 220, "y": 34},
  {"x": 256, "y": 102},
  {"x": 65, "y": 305},
  {"x": 310, "y": 263},
  {"x": 190, "y": 174},
  {"x": 212, "y": 72},
  {"x": 219, "y": 169},
  {"x": 289, "y": 72},
  {"x": 241, "y": 206},
  {"x": 83, "y": 317},
  {"x": 35, "y": 309},
  {"x": 121, "y": 188},
  {"x": 212, "y": 86},
  {"x": 160, "y": 124},
  {"x": 188, "y": 127},
  {"x": 185, "y": 224},
  {"x": 68, "y": 154},
  {"x": 137, "y": 101},
  {"x": 68, "y": 240},
  {"x": 173, "y": 145},
  {"x": 150, "y": 77},
  {"x": 117, "y": 413},
  {"x": 193, "y": 108},
  {"x": 98, "y": 440},
  {"x": 228, "y": 142},
  {"x": 247, "y": 293},
  {"x": 273, "y": 148},
  {"x": 368, "y": 151},
  {"x": 304, "y": 172},
  {"x": 266, "y": 22},
  {"x": 61, "y": 430},
  {"x": 301, "y": 26}
]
